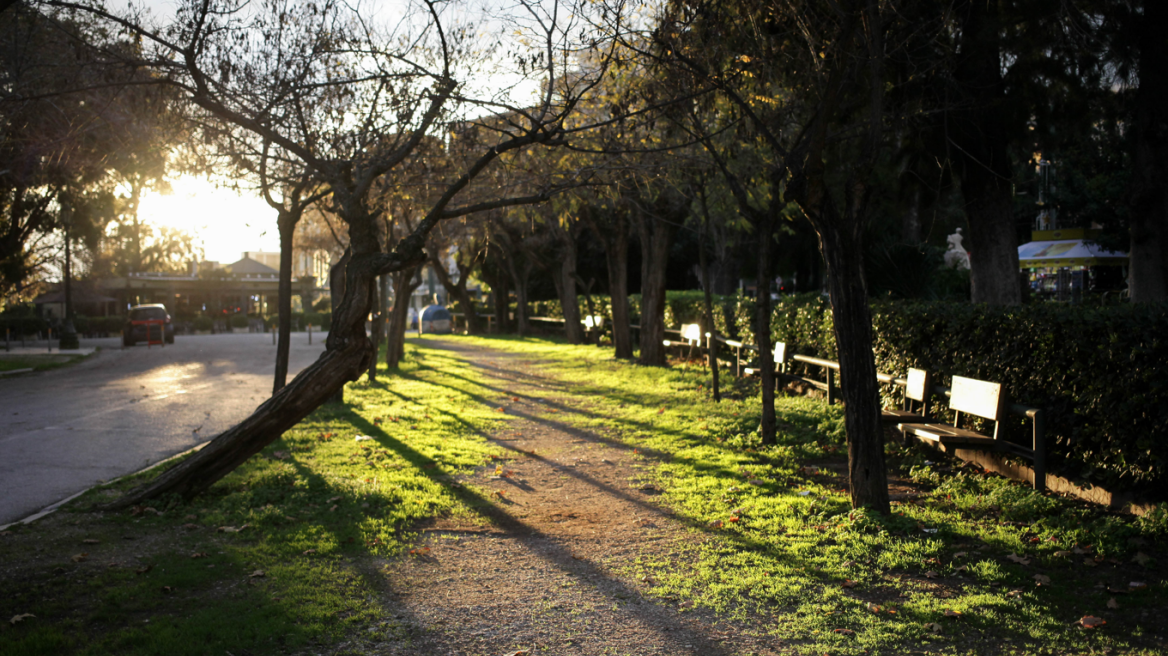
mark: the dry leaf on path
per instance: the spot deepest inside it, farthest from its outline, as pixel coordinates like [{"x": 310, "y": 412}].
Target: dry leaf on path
[
  {"x": 932, "y": 575},
  {"x": 1021, "y": 560},
  {"x": 933, "y": 627},
  {"x": 199, "y": 554},
  {"x": 848, "y": 583},
  {"x": 1141, "y": 558},
  {"x": 1042, "y": 579},
  {"x": 16, "y": 619},
  {"x": 952, "y": 613},
  {"x": 521, "y": 652},
  {"x": 1091, "y": 622},
  {"x": 1112, "y": 603},
  {"x": 1061, "y": 554},
  {"x": 77, "y": 558},
  {"x": 258, "y": 574},
  {"x": 90, "y": 541}
]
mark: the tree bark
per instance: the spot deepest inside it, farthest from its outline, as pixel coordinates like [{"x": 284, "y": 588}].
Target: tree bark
[
  {"x": 766, "y": 355},
  {"x": 404, "y": 284},
  {"x": 1148, "y": 222},
  {"x": 458, "y": 291},
  {"x": 376, "y": 325},
  {"x": 616, "y": 257},
  {"x": 707, "y": 299},
  {"x": 569, "y": 300},
  {"x": 286, "y": 224},
  {"x": 656, "y": 236},
  {"x": 979, "y": 135}
]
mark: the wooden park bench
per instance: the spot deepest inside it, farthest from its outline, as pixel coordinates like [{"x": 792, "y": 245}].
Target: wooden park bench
[
  {"x": 983, "y": 399},
  {"x": 918, "y": 388}
]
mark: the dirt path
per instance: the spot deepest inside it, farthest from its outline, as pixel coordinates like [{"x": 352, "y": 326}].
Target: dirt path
[{"x": 546, "y": 576}]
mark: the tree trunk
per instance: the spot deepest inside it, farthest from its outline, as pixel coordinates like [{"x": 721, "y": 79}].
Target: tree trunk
[
  {"x": 656, "y": 238},
  {"x": 842, "y": 251},
  {"x": 766, "y": 354},
  {"x": 501, "y": 297},
  {"x": 569, "y": 300},
  {"x": 616, "y": 256},
  {"x": 981, "y": 153},
  {"x": 458, "y": 291},
  {"x": 287, "y": 227},
  {"x": 520, "y": 275},
  {"x": 707, "y": 294},
  {"x": 404, "y": 284},
  {"x": 1148, "y": 264},
  {"x": 376, "y": 327}
]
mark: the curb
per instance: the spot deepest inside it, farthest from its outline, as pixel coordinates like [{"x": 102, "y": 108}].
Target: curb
[{"x": 51, "y": 508}]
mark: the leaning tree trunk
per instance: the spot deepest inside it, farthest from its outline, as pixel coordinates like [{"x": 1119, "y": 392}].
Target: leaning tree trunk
[
  {"x": 287, "y": 227},
  {"x": 347, "y": 355},
  {"x": 656, "y": 237},
  {"x": 1148, "y": 270}
]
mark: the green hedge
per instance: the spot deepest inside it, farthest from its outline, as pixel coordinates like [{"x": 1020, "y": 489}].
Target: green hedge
[
  {"x": 1099, "y": 372},
  {"x": 680, "y": 307},
  {"x": 22, "y": 325}
]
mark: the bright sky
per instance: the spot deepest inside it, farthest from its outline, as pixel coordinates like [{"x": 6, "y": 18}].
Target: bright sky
[{"x": 223, "y": 223}]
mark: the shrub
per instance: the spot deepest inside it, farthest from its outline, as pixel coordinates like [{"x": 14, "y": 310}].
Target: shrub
[
  {"x": 204, "y": 323},
  {"x": 1096, "y": 371},
  {"x": 239, "y": 320}
]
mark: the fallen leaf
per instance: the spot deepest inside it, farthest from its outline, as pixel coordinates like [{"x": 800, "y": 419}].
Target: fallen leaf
[
  {"x": 143, "y": 569},
  {"x": 1021, "y": 560},
  {"x": 281, "y": 455},
  {"x": 757, "y": 482},
  {"x": 1091, "y": 622},
  {"x": 1014, "y": 593},
  {"x": 230, "y": 529},
  {"x": 717, "y": 523},
  {"x": 500, "y": 409},
  {"x": 362, "y": 438},
  {"x": 1137, "y": 585},
  {"x": 334, "y": 508},
  {"x": 1061, "y": 554},
  {"x": 16, "y": 619},
  {"x": 167, "y": 589},
  {"x": 1112, "y": 603},
  {"x": 77, "y": 558},
  {"x": 732, "y": 519},
  {"x": 1082, "y": 550},
  {"x": 932, "y": 575},
  {"x": 1089, "y": 562},
  {"x": 874, "y": 608},
  {"x": 190, "y": 527},
  {"x": 960, "y": 554},
  {"x": 952, "y": 613},
  {"x": 933, "y": 627},
  {"x": 521, "y": 652},
  {"x": 335, "y": 499},
  {"x": 515, "y": 398},
  {"x": 307, "y": 552},
  {"x": 844, "y": 632},
  {"x": 848, "y": 583},
  {"x": 258, "y": 574},
  {"x": 90, "y": 541},
  {"x": 661, "y": 411},
  {"x": 963, "y": 569},
  {"x": 1042, "y": 579},
  {"x": 1141, "y": 558},
  {"x": 199, "y": 554}
]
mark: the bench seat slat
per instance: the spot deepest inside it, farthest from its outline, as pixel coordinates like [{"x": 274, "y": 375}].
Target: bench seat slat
[{"x": 902, "y": 416}]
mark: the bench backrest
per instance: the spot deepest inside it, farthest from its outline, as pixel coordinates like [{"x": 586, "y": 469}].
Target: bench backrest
[
  {"x": 976, "y": 397},
  {"x": 918, "y": 385},
  {"x": 780, "y": 354}
]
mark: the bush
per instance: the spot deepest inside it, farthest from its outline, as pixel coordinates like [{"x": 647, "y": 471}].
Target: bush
[
  {"x": 239, "y": 320},
  {"x": 22, "y": 325},
  {"x": 204, "y": 323},
  {"x": 1096, "y": 371}
]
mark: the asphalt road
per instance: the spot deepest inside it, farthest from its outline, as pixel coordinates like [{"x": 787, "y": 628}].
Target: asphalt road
[{"x": 122, "y": 409}]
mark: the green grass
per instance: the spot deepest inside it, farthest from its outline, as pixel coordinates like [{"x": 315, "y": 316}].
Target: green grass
[
  {"x": 773, "y": 541},
  {"x": 37, "y": 362}
]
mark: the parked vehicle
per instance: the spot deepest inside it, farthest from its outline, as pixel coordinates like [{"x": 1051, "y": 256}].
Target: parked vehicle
[
  {"x": 435, "y": 319},
  {"x": 143, "y": 318}
]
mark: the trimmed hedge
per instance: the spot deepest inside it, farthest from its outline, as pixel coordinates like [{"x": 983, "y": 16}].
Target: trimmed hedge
[
  {"x": 1098, "y": 372},
  {"x": 22, "y": 325},
  {"x": 680, "y": 307}
]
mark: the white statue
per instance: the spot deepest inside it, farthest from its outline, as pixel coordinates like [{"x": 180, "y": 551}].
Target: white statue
[{"x": 956, "y": 257}]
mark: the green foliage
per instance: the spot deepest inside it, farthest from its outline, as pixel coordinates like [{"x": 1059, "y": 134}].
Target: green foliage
[
  {"x": 1094, "y": 370},
  {"x": 204, "y": 323},
  {"x": 238, "y": 320}
]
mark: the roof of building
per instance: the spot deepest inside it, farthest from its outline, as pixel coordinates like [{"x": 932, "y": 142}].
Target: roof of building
[{"x": 248, "y": 266}]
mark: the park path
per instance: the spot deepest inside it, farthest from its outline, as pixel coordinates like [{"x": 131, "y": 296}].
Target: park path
[{"x": 548, "y": 574}]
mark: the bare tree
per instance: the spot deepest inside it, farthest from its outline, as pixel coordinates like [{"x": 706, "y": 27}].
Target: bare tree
[{"x": 352, "y": 102}]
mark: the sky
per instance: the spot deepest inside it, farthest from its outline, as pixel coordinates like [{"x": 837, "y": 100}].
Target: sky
[{"x": 223, "y": 223}]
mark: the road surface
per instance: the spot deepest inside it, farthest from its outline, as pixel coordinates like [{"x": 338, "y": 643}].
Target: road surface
[{"x": 122, "y": 409}]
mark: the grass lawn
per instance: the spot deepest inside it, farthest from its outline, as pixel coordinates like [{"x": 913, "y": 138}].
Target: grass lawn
[
  {"x": 36, "y": 362},
  {"x": 283, "y": 555}
]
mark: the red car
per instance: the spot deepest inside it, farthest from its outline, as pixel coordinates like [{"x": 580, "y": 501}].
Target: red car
[{"x": 146, "y": 317}]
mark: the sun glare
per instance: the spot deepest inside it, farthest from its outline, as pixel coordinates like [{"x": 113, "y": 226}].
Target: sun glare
[{"x": 223, "y": 223}]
